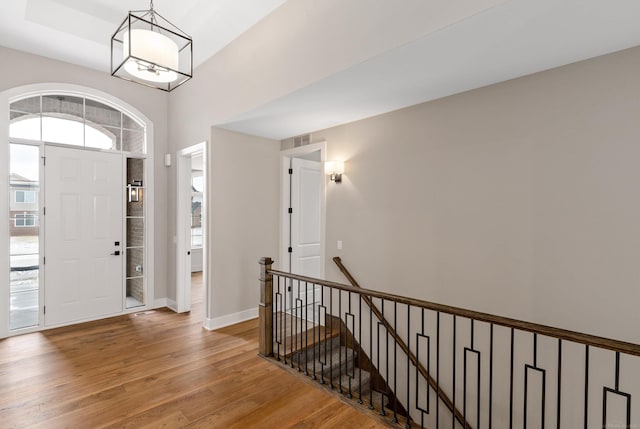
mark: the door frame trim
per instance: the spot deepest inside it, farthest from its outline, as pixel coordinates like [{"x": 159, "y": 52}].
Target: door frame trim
[{"x": 285, "y": 158}]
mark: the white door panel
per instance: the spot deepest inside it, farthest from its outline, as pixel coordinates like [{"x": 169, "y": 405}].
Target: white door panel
[
  {"x": 306, "y": 194},
  {"x": 305, "y": 219},
  {"x": 84, "y": 203}
]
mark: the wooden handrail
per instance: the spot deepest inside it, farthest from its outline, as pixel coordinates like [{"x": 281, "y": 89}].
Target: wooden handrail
[
  {"x": 403, "y": 346},
  {"x": 577, "y": 337}
]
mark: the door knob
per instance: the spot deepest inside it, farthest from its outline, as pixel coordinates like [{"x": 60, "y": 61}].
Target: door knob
[{"x": 116, "y": 253}]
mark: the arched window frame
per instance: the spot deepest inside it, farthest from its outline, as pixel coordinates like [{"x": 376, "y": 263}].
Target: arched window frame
[{"x": 11, "y": 95}]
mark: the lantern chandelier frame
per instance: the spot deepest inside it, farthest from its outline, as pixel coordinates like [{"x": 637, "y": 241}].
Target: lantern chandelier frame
[{"x": 149, "y": 50}]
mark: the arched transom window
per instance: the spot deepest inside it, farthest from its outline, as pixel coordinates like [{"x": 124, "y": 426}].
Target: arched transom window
[{"x": 75, "y": 121}]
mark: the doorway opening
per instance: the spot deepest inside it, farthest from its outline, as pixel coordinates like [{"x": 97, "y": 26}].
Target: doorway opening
[{"x": 191, "y": 228}]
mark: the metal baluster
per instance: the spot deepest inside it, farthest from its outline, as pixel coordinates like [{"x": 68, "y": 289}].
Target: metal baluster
[
  {"x": 316, "y": 329},
  {"x": 323, "y": 343},
  {"x": 438, "y": 371},
  {"x": 371, "y": 355},
  {"x": 511, "y": 383},
  {"x": 395, "y": 361},
  {"x": 303, "y": 324},
  {"x": 490, "y": 375},
  {"x": 616, "y": 391},
  {"x": 292, "y": 324},
  {"x": 331, "y": 341},
  {"x": 586, "y": 385},
  {"x": 275, "y": 324},
  {"x": 526, "y": 380},
  {"x": 453, "y": 418},
  {"x": 341, "y": 340},
  {"x": 408, "y": 424},
  {"x": 360, "y": 349},
  {"x": 306, "y": 331},
  {"x": 346, "y": 349},
  {"x": 296, "y": 352},
  {"x": 386, "y": 388},
  {"x": 558, "y": 409},
  {"x": 464, "y": 389}
]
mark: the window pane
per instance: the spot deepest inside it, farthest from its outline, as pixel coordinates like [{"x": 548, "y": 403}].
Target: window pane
[
  {"x": 101, "y": 114},
  {"x": 102, "y": 137},
  {"x": 66, "y": 131},
  {"x": 24, "y": 292},
  {"x": 24, "y": 126},
  {"x": 133, "y": 141},
  {"x": 24, "y": 167},
  {"x": 196, "y": 221},
  {"x": 197, "y": 182},
  {"x": 24, "y": 170},
  {"x": 65, "y": 104},
  {"x": 28, "y": 105},
  {"x": 130, "y": 124}
]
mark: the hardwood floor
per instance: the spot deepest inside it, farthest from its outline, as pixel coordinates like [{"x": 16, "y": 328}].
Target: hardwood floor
[{"x": 158, "y": 369}]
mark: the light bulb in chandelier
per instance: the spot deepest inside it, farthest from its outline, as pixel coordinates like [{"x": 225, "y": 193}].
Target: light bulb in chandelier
[{"x": 153, "y": 55}]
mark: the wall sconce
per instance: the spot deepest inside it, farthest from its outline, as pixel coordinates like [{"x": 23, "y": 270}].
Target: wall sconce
[
  {"x": 334, "y": 169},
  {"x": 134, "y": 190}
]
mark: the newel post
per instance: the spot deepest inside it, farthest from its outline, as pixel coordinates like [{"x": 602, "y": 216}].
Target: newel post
[{"x": 265, "y": 308}]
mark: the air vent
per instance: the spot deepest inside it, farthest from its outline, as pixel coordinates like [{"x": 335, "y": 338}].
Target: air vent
[{"x": 302, "y": 140}]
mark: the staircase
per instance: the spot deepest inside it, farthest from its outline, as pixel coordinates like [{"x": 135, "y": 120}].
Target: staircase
[
  {"x": 445, "y": 362},
  {"x": 330, "y": 356}
]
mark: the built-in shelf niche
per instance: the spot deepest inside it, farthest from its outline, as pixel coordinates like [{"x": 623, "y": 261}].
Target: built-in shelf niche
[{"x": 135, "y": 233}]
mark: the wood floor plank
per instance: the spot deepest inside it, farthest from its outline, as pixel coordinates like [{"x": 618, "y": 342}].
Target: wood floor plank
[{"x": 157, "y": 369}]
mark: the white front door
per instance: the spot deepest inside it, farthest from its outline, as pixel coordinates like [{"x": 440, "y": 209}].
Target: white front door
[
  {"x": 306, "y": 231},
  {"x": 83, "y": 235}
]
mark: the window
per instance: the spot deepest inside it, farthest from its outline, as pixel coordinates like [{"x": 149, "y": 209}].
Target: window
[
  {"x": 24, "y": 220},
  {"x": 197, "y": 186},
  {"x": 25, "y": 197},
  {"x": 75, "y": 121}
]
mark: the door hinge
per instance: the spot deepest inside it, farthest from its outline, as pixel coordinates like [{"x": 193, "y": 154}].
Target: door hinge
[
  {"x": 44, "y": 260},
  {"x": 291, "y": 171},
  {"x": 44, "y": 211},
  {"x": 44, "y": 160},
  {"x": 290, "y": 249},
  {"x": 44, "y": 309},
  {"x": 290, "y": 210}
]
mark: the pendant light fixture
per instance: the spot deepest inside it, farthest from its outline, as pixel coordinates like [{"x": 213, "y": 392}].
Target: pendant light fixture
[{"x": 150, "y": 50}]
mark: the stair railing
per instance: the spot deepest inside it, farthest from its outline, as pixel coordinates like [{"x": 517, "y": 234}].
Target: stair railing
[
  {"x": 403, "y": 346},
  {"x": 527, "y": 362}
]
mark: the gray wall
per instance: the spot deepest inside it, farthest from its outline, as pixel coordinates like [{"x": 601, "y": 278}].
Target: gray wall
[
  {"x": 243, "y": 217},
  {"x": 20, "y": 68},
  {"x": 519, "y": 199}
]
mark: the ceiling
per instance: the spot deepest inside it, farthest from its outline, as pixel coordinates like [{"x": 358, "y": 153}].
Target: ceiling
[
  {"x": 512, "y": 39},
  {"x": 79, "y": 31}
]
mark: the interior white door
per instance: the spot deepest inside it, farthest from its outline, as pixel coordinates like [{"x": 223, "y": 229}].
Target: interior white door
[
  {"x": 305, "y": 219},
  {"x": 83, "y": 235},
  {"x": 306, "y": 194}
]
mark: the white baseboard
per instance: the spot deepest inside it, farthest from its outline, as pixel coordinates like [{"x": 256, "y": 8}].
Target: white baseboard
[
  {"x": 230, "y": 319},
  {"x": 159, "y": 303},
  {"x": 173, "y": 305}
]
